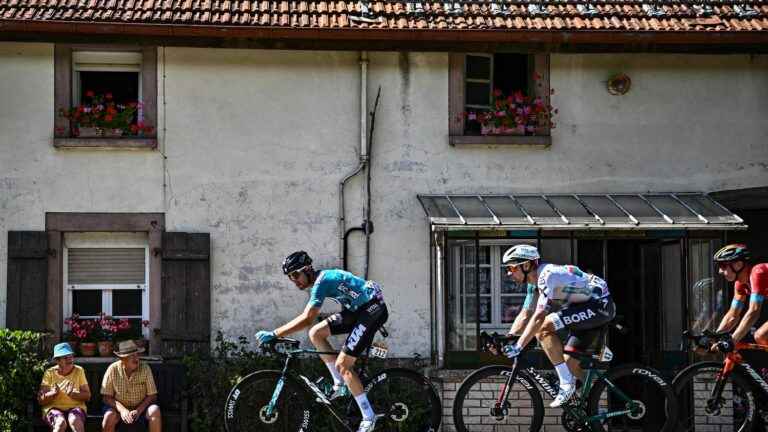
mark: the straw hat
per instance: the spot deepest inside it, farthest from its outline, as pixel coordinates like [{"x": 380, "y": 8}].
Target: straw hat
[{"x": 126, "y": 348}]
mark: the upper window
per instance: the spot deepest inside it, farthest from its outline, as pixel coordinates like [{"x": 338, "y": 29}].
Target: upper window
[
  {"x": 105, "y": 97},
  {"x": 497, "y": 98}
]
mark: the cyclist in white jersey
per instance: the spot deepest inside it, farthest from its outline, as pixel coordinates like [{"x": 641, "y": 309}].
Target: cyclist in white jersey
[{"x": 567, "y": 298}]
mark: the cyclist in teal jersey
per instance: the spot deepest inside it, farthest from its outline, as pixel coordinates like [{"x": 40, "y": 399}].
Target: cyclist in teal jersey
[{"x": 362, "y": 315}]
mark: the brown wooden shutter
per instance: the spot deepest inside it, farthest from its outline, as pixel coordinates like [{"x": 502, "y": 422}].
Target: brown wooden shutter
[
  {"x": 186, "y": 294},
  {"x": 27, "y": 280}
]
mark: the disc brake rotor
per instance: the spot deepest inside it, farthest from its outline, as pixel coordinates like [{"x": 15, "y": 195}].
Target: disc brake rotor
[
  {"x": 267, "y": 418},
  {"x": 637, "y": 410},
  {"x": 398, "y": 411}
]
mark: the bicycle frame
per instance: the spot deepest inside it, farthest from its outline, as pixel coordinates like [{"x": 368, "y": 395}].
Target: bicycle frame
[
  {"x": 734, "y": 358},
  {"x": 592, "y": 375},
  {"x": 320, "y": 397}
]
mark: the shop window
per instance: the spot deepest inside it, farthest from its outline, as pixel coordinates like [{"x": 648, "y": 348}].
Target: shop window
[
  {"x": 707, "y": 299},
  {"x": 481, "y": 297},
  {"x": 479, "y": 80}
]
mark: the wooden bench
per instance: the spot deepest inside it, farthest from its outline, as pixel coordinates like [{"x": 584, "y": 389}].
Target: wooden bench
[{"x": 170, "y": 379}]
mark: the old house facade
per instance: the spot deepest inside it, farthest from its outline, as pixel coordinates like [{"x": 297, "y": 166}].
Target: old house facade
[{"x": 260, "y": 110}]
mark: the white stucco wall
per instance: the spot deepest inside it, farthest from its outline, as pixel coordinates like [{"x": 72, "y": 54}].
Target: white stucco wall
[{"x": 257, "y": 142}]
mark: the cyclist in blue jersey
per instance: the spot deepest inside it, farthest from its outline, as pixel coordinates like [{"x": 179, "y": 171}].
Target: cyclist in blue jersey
[
  {"x": 567, "y": 298},
  {"x": 363, "y": 313}
]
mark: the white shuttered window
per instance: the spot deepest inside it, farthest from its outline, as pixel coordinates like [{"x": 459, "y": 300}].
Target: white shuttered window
[{"x": 107, "y": 273}]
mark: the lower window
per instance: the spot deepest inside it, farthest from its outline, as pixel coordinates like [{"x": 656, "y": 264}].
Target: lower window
[{"x": 108, "y": 274}]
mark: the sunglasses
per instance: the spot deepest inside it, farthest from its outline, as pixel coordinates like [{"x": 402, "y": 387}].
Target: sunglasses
[{"x": 296, "y": 274}]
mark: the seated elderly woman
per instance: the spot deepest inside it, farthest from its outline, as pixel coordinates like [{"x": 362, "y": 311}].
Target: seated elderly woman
[{"x": 64, "y": 391}]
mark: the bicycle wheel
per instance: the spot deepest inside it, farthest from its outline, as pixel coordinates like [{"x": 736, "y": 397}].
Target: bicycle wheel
[
  {"x": 247, "y": 403},
  {"x": 476, "y": 409},
  {"x": 406, "y": 400},
  {"x": 737, "y": 406},
  {"x": 652, "y": 403}
]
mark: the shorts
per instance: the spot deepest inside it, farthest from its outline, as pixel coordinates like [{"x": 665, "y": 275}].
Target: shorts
[
  {"x": 53, "y": 413},
  {"x": 585, "y": 322},
  {"x": 141, "y": 421},
  {"x": 361, "y": 325}
]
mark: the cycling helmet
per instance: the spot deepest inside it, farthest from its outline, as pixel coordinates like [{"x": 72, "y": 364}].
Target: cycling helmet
[
  {"x": 520, "y": 253},
  {"x": 732, "y": 252},
  {"x": 296, "y": 261}
]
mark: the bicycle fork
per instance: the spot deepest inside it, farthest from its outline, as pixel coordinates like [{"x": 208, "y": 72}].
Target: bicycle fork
[{"x": 500, "y": 409}]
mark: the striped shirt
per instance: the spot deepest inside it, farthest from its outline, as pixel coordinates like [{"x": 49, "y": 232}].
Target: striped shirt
[{"x": 128, "y": 390}]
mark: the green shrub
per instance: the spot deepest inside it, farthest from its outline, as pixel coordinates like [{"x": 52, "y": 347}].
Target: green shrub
[{"x": 22, "y": 364}]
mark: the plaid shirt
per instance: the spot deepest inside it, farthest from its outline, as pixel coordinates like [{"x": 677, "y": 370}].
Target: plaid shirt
[{"x": 129, "y": 391}]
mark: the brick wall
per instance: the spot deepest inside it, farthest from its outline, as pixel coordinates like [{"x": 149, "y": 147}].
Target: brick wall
[
  {"x": 702, "y": 388},
  {"x": 448, "y": 383}
]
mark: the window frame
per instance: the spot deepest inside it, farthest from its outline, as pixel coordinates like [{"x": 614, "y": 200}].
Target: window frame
[
  {"x": 456, "y": 106},
  {"x": 65, "y": 81},
  {"x": 58, "y": 224},
  {"x": 107, "y": 289}
]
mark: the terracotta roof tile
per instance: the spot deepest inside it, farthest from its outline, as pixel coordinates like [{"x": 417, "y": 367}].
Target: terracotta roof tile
[{"x": 536, "y": 15}]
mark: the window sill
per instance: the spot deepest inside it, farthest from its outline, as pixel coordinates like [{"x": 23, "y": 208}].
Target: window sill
[
  {"x": 106, "y": 143},
  {"x": 112, "y": 359},
  {"x": 533, "y": 141}
]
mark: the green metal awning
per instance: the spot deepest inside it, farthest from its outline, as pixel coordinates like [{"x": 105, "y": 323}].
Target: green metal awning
[{"x": 622, "y": 211}]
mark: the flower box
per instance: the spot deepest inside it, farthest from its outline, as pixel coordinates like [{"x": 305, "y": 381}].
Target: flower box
[
  {"x": 501, "y": 130},
  {"x": 97, "y": 132}
]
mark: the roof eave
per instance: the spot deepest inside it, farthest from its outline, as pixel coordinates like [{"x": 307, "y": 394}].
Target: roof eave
[{"x": 442, "y": 40}]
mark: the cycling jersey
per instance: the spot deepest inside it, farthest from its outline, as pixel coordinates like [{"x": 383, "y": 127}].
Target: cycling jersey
[
  {"x": 349, "y": 290},
  {"x": 566, "y": 284},
  {"x": 756, "y": 289}
]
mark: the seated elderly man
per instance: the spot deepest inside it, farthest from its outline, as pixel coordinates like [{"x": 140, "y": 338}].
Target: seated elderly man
[
  {"x": 129, "y": 391},
  {"x": 64, "y": 391}
]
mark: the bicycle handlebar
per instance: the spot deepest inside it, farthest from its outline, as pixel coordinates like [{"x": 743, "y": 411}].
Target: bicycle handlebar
[
  {"x": 706, "y": 339},
  {"x": 271, "y": 346},
  {"x": 493, "y": 343}
]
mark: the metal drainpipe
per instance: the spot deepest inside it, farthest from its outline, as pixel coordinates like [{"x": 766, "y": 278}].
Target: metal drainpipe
[{"x": 363, "y": 152}]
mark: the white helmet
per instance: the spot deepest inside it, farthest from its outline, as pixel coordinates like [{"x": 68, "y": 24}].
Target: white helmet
[{"x": 520, "y": 253}]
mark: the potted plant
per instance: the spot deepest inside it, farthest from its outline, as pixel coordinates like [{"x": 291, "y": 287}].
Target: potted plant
[
  {"x": 108, "y": 329},
  {"x": 82, "y": 333},
  {"x": 515, "y": 114},
  {"x": 100, "y": 116},
  {"x": 143, "y": 342}
]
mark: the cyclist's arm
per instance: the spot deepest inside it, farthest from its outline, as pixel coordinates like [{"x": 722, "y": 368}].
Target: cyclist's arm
[
  {"x": 753, "y": 313},
  {"x": 731, "y": 318},
  {"x": 518, "y": 326},
  {"x": 304, "y": 320},
  {"x": 533, "y": 327}
]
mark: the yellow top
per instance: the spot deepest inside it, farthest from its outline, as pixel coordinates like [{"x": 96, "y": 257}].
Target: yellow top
[
  {"x": 129, "y": 391},
  {"x": 76, "y": 379}
]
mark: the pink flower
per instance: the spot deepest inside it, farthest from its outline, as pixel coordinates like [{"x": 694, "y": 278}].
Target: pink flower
[
  {"x": 496, "y": 92},
  {"x": 89, "y": 93},
  {"x": 472, "y": 116}
]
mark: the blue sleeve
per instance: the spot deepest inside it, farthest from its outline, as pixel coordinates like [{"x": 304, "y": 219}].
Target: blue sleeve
[
  {"x": 529, "y": 297},
  {"x": 318, "y": 293}
]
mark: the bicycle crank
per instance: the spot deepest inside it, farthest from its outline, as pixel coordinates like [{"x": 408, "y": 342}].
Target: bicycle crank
[{"x": 574, "y": 420}]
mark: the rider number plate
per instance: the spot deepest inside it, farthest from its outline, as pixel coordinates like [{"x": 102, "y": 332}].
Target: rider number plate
[{"x": 378, "y": 351}]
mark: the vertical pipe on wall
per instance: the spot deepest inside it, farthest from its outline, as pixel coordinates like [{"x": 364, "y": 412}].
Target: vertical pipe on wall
[
  {"x": 440, "y": 296},
  {"x": 363, "y": 159}
]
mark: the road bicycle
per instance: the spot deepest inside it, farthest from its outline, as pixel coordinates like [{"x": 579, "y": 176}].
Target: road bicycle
[
  {"x": 505, "y": 398},
  {"x": 729, "y": 393},
  {"x": 274, "y": 400}
]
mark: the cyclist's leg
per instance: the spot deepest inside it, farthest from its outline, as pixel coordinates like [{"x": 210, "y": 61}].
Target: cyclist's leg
[
  {"x": 370, "y": 318},
  {"x": 338, "y": 323},
  {"x": 761, "y": 335}
]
